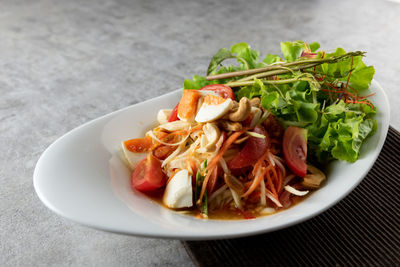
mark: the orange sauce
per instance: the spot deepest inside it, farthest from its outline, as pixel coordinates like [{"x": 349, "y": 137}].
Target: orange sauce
[{"x": 251, "y": 211}]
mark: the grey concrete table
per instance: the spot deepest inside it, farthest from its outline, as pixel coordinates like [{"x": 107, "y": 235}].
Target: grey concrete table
[{"x": 64, "y": 63}]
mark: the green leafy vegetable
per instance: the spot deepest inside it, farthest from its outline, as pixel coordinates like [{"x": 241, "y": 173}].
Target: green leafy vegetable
[
  {"x": 292, "y": 50},
  {"x": 341, "y": 130},
  {"x": 244, "y": 55},
  {"x": 217, "y": 59},
  {"x": 270, "y": 59},
  {"x": 361, "y": 75},
  {"x": 196, "y": 83},
  {"x": 306, "y": 88}
]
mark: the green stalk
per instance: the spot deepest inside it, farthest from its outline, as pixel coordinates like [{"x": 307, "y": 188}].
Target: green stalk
[
  {"x": 246, "y": 83},
  {"x": 276, "y": 72},
  {"x": 316, "y": 61},
  {"x": 302, "y": 77}
]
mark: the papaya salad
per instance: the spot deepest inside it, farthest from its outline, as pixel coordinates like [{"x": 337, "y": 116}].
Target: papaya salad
[{"x": 253, "y": 139}]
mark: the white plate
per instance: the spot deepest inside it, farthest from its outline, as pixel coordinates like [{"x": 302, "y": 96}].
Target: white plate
[{"x": 81, "y": 177}]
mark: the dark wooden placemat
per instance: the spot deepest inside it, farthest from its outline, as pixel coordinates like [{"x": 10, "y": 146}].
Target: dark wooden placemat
[{"x": 362, "y": 229}]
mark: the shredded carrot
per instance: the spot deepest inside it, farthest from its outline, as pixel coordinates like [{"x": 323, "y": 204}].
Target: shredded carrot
[
  {"x": 280, "y": 180},
  {"x": 196, "y": 128},
  {"x": 256, "y": 182},
  {"x": 337, "y": 91},
  {"x": 259, "y": 162},
  {"x": 213, "y": 163},
  {"x": 275, "y": 177},
  {"x": 353, "y": 98},
  {"x": 360, "y": 102},
  {"x": 365, "y": 96},
  {"x": 270, "y": 183},
  {"x": 354, "y": 90}
]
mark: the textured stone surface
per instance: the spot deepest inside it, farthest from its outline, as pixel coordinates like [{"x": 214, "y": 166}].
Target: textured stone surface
[{"x": 64, "y": 63}]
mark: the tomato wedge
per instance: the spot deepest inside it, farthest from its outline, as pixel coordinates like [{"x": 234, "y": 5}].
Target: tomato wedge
[
  {"x": 295, "y": 149},
  {"x": 253, "y": 149},
  {"x": 148, "y": 175},
  {"x": 221, "y": 89},
  {"x": 174, "y": 114}
]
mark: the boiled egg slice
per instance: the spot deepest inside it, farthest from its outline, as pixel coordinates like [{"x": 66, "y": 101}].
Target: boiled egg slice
[
  {"x": 132, "y": 158},
  {"x": 213, "y": 108},
  {"x": 179, "y": 193},
  {"x": 163, "y": 115}
]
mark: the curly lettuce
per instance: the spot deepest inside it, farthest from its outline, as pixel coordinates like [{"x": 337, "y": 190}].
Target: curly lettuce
[{"x": 336, "y": 128}]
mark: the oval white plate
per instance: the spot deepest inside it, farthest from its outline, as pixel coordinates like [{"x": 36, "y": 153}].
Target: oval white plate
[{"x": 81, "y": 177}]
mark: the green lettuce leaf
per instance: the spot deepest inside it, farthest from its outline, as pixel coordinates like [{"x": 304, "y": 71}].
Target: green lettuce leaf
[
  {"x": 245, "y": 55},
  {"x": 360, "y": 74},
  {"x": 336, "y": 130},
  {"x": 292, "y": 50},
  {"x": 196, "y": 83},
  {"x": 218, "y": 58},
  {"x": 269, "y": 59},
  {"x": 340, "y": 132}
]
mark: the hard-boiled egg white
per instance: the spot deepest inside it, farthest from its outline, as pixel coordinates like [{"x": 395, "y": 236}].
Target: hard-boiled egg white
[
  {"x": 179, "y": 193},
  {"x": 163, "y": 115},
  {"x": 213, "y": 108},
  {"x": 132, "y": 158}
]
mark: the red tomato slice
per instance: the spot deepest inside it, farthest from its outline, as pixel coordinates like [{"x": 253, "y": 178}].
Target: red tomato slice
[
  {"x": 295, "y": 150},
  {"x": 148, "y": 175},
  {"x": 221, "y": 89},
  {"x": 174, "y": 114},
  {"x": 253, "y": 149}
]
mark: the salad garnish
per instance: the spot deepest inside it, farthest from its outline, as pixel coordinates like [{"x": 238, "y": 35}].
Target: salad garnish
[
  {"x": 320, "y": 91},
  {"x": 253, "y": 138}
]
